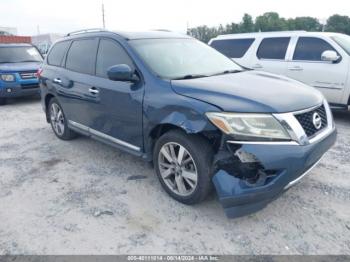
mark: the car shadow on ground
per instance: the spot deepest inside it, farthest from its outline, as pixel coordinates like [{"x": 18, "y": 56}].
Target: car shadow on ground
[
  {"x": 341, "y": 115},
  {"x": 22, "y": 100}
]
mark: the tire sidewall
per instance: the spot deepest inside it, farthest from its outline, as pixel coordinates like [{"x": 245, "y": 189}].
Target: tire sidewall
[
  {"x": 203, "y": 168},
  {"x": 65, "y": 134}
]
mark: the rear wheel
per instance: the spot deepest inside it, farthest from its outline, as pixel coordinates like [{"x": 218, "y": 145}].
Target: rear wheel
[
  {"x": 183, "y": 166},
  {"x": 2, "y": 101},
  {"x": 58, "y": 121}
]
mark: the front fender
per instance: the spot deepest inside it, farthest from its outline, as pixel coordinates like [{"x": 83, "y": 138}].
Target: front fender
[{"x": 164, "y": 107}]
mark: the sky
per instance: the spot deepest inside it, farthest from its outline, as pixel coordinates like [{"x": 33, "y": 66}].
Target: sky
[{"x": 63, "y": 16}]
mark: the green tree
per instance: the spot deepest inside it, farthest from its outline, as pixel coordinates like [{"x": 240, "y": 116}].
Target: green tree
[
  {"x": 339, "y": 24},
  {"x": 270, "y": 21},
  {"x": 304, "y": 23},
  {"x": 247, "y": 24},
  {"x": 203, "y": 33}
]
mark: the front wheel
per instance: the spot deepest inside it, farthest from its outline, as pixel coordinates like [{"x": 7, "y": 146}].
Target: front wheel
[
  {"x": 183, "y": 165},
  {"x": 58, "y": 121}
]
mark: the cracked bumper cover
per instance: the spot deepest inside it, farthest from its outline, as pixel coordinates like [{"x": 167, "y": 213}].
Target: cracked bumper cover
[{"x": 291, "y": 162}]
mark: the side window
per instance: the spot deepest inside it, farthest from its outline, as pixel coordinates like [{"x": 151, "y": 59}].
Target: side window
[
  {"x": 110, "y": 53},
  {"x": 57, "y": 53},
  {"x": 311, "y": 49},
  {"x": 273, "y": 48},
  {"x": 233, "y": 48},
  {"x": 81, "y": 56}
]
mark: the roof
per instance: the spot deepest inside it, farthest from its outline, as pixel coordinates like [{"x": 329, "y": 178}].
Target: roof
[
  {"x": 272, "y": 34},
  {"x": 132, "y": 35},
  {"x": 151, "y": 34}
]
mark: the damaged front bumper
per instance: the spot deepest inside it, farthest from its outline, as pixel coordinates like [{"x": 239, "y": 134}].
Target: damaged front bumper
[{"x": 251, "y": 175}]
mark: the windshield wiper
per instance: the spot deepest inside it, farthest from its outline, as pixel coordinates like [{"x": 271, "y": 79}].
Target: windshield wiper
[
  {"x": 24, "y": 61},
  {"x": 189, "y": 77},
  {"x": 228, "y": 72}
]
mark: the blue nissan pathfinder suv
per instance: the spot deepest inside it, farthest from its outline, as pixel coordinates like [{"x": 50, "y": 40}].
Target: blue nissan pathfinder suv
[
  {"x": 200, "y": 118},
  {"x": 19, "y": 64}
]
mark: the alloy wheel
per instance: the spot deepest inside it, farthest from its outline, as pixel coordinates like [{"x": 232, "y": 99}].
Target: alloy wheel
[
  {"x": 177, "y": 169},
  {"x": 57, "y": 119}
]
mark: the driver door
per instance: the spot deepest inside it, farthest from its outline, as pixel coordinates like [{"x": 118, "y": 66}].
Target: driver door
[{"x": 116, "y": 114}]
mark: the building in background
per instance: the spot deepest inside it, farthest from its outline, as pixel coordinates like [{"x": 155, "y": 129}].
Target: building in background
[
  {"x": 44, "y": 41},
  {"x": 8, "y": 30}
]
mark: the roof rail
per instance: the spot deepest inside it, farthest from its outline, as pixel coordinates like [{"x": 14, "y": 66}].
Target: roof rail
[
  {"x": 263, "y": 33},
  {"x": 86, "y": 31}
]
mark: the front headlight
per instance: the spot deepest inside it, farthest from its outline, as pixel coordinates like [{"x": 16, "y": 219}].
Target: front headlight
[
  {"x": 249, "y": 126},
  {"x": 7, "y": 77}
]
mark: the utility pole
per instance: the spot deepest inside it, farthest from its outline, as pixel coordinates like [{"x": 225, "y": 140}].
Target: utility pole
[{"x": 103, "y": 15}]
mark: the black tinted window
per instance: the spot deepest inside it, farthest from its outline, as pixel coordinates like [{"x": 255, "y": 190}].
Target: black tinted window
[
  {"x": 81, "y": 56},
  {"x": 57, "y": 53},
  {"x": 273, "y": 48},
  {"x": 110, "y": 53},
  {"x": 234, "y": 48},
  {"x": 310, "y": 48}
]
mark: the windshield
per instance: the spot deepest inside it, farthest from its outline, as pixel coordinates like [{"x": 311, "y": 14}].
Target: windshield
[
  {"x": 19, "y": 54},
  {"x": 182, "y": 58},
  {"x": 343, "y": 41}
]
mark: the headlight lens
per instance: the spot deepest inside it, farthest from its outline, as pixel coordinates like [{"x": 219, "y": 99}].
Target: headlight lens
[
  {"x": 7, "y": 77},
  {"x": 249, "y": 126}
]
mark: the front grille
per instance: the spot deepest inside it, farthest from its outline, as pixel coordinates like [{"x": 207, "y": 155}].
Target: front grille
[
  {"x": 306, "y": 120},
  {"x": 28, "y": 75},
  {"x": 29, "y": 86}
]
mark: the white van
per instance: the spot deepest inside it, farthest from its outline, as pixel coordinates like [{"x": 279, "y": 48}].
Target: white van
[{"x": 319, "y": 59}]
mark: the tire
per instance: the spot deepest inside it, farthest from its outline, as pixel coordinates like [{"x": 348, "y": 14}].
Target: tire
[
  {"x": 172, "y": 174},
  {"x": 58, "y": 121},
  {"x": 2, "y": 101}
]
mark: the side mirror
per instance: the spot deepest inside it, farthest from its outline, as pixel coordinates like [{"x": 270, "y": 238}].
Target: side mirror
[
  {"x": 330, "y": 56},
  {"x": 121, "y": 72}
]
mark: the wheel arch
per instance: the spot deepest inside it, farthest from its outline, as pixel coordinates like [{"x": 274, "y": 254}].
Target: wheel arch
[
  {"x": 48, "y": 97},
  {"x": 200, "y": 128}
]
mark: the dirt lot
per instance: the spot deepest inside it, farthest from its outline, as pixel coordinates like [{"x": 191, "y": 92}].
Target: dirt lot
[{"x": 83, "y": 197}]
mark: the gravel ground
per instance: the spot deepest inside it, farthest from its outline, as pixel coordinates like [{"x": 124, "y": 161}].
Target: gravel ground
[{"x": 83, "y": 197}]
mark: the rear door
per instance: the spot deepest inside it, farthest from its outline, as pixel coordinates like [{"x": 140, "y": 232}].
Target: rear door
[
  {"x": 307, "y": 66},
  {"x": 271, "y": 55},
  {"x": 77, "y": 92}
]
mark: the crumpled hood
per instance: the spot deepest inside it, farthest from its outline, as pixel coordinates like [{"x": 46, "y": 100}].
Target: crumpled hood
[
  {"x": 251, "y": 92},
  {"x": 16, "y": 67}
]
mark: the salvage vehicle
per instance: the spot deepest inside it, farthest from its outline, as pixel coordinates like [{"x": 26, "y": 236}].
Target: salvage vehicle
[
  {"x": 199, "y": 117},
  {"x": 19, "y": 63},
  {"x": 318, "y": 59}
]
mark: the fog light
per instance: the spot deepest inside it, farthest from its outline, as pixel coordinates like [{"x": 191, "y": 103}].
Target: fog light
[{"x": 8, "y": 90}]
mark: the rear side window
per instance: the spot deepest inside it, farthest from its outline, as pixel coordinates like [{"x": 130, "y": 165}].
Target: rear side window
[
  {"x": 81, "y": 56},
  {"x": 233, "y": 48},
  {"x": 109, "y": 54},
  {"x": 57, "y": 53},
  {"x": 273, "y": 48},
  {"x": 311, "y": 49}
]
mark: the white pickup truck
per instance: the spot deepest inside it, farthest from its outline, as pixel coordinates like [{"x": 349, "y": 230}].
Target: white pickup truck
[{"x": 319, "y": 59}]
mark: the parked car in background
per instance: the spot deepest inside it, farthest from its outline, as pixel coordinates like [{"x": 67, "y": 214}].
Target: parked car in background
[
  {"x": 19, "y": 64},
  {"x": 195, "y": 113},
  {"x": 321, "y": 60},
  {"x": 44, "y": 41}
]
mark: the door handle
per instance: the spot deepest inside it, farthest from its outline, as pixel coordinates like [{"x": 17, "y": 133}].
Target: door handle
[
  {"x": 257, "y": 66},
  {"x": 93, "y": 90},
  {"x": 296, "y": 68},
  {"x": 57, "y": 80}
]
